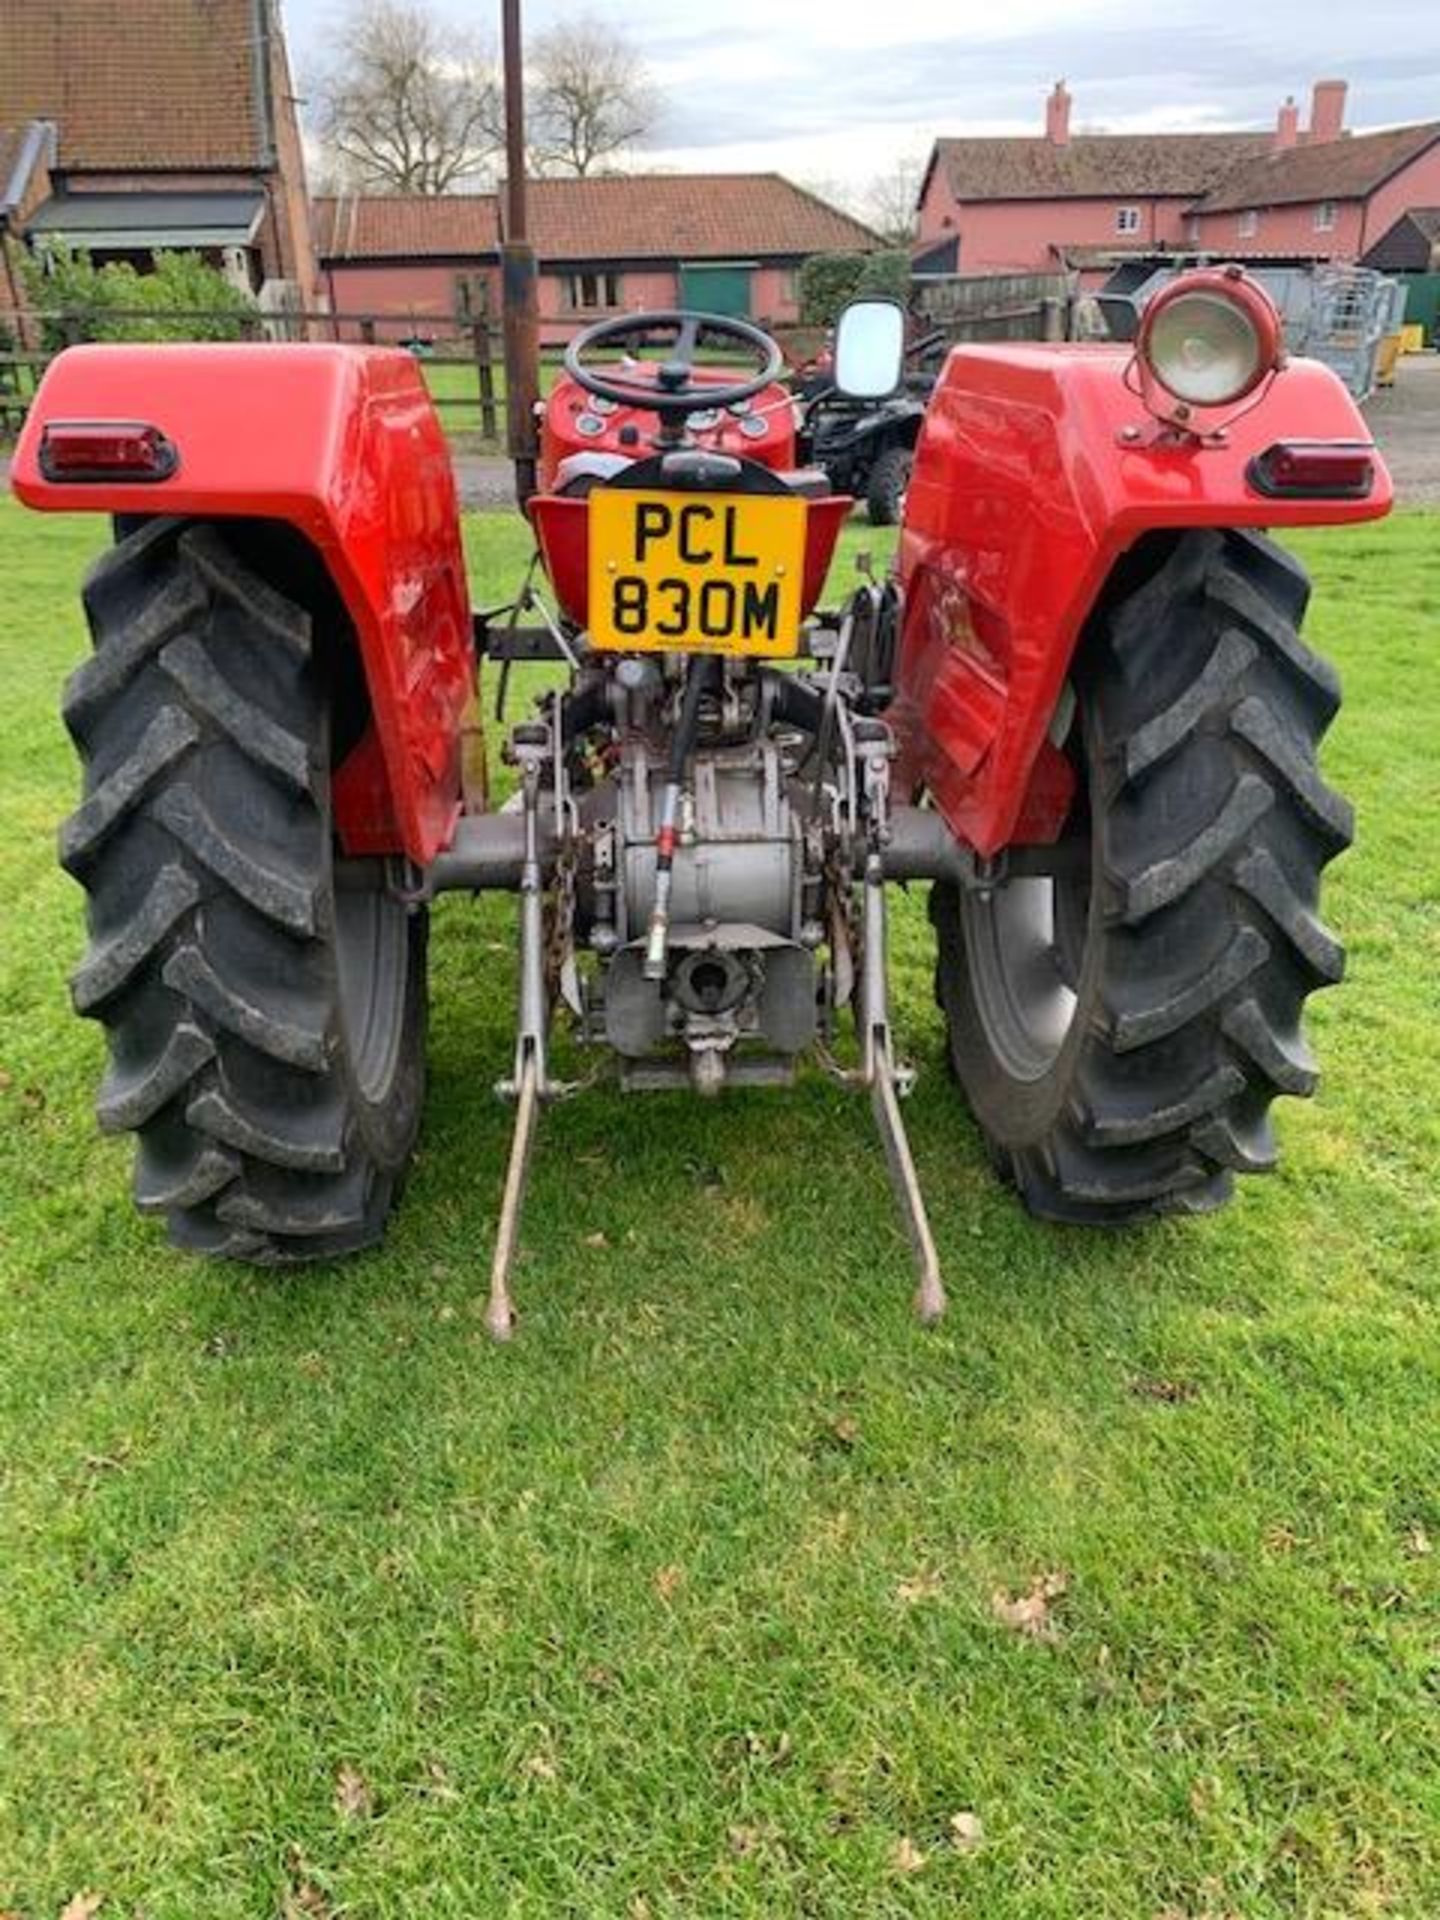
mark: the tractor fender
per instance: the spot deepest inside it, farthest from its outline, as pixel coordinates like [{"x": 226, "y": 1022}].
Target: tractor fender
[
  {"x": 343, "y": 444},
  {"x": 1036, "y": 469}
]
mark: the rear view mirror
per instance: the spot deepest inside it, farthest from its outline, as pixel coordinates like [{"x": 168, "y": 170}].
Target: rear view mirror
[{"x": 870, "y": 349}]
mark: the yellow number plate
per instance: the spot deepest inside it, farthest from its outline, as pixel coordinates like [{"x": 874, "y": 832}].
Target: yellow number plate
[{"x": 693, "y": 572}]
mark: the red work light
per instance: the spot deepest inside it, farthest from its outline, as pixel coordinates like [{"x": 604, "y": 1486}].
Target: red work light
[
  {"x": 1314, "y": 470},
  {"x": 106, "y": 450}
]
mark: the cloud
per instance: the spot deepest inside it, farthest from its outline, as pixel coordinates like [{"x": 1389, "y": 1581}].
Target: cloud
[{"x": 841, "y": 88}]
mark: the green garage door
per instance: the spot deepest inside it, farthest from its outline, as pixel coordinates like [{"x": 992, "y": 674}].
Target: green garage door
[{"x": 716, "y": 289}]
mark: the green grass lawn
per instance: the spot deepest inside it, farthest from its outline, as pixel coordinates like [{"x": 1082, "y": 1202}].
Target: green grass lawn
[{"x": 315, "y": 1603}]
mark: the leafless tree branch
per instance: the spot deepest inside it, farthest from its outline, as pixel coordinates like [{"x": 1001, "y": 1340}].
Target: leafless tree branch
[
  {"x": 408, "y": 106},
  {"x": 590, "y": 99}
]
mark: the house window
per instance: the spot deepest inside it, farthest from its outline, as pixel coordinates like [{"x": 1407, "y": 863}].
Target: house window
[
  {"x": 1249, "y": 224},
  {"x": 1127, "y": 220},
  {"x": 1192, "y": 229},
  {"x": 590, "y": 292},
  {"x": 1325, "y": 217},
  {"x": 472, "y": 295}
]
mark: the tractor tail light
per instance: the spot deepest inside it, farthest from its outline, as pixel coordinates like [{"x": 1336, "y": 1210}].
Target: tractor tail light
[
  {"x": 106, "y": 450},
  {"x": 1314, "y": 470}
]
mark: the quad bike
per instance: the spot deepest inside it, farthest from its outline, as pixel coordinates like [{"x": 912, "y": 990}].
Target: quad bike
[
  {"x": 1080, "y": 708},
  {"x": 864, "y": 447}
]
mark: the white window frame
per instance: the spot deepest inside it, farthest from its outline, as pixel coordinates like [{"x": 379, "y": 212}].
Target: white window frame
[
  {"x": 1248, "y": 225},
  {"x": 592, "y": 290},
  {"x": 1127, "y": 219},
  {"x": 1325, "y": 216}
]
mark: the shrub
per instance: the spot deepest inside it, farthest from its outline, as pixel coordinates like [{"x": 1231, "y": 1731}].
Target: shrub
[
  {"x": 829, "y": 280},
  {"x": 183, "y": 299}
]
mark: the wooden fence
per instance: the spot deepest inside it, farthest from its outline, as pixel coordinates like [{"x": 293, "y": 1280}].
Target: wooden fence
[
  {"x": 468, "y": 344},
  {"x": 953, "y": 307},
  {"x": 461, "y": 354}
]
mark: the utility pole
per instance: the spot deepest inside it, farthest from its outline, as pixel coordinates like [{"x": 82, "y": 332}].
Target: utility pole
[{"x": 517, "y": 269}]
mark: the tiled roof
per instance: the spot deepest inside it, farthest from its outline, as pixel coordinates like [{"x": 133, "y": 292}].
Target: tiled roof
[
  {"x": 1098, "y": 166},
  {"x": 162, "y": 84},
  {"x": 1346, "y": 169},
  {"x": 668, "y": 216},
  {"x": 660, "y": 216},
  {"x": 406, "y": 226}
]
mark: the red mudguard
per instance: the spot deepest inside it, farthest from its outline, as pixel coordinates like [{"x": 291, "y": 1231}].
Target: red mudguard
[
  {"x": 1029, "y": 483},
  {"x": 343, "y": 444}
]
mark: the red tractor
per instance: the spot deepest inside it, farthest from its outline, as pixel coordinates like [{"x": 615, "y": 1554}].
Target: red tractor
[{"x": 1079, "y": 707}]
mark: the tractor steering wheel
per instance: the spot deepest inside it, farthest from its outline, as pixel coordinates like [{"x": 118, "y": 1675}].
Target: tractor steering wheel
[{"x": 672, "y": 389}]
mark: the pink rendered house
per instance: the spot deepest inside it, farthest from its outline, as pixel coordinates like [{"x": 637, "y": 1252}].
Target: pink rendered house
[
  {"x": 1089, "y": 201},
  {"x": 727, "y": 243}
]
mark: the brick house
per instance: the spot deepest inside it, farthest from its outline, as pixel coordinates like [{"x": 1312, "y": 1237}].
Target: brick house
[
  {"x": 1037, "y": 204},
  {"x": 729, "y": 243},
  {"x": 128, "y": 126}
]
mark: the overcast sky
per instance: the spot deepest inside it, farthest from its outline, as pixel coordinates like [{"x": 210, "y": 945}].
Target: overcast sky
[{"x": 830, "y": 91}]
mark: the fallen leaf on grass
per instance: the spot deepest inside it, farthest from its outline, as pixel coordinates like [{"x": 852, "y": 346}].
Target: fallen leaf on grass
[
  {"x": 437, "y": 1784},
  {"x": 1204, "y": 1795},
  {"x": 597, "y": 1240},
  {"x": 668, "y": 1582},
  {"x": 770, "y": 1753},
  {"x": 907, "y": 1857},
  {"x": 742, "y": 1841},
  {"x": 539, "y": 1766},
  {"x": 967, "y": 1831},
  {"x": 353, "y": 1798},
  {"x": 1171, "y": 1393},
  {"x": 304, "y": 1900},
  {"x": 1417, "y": 1541},
  {"x": 843, "y": 1431},
  {"x": 83, "y": 1906},
  {"x": 1029, "y": 1614},
  {"x": 920, "y": 1586}
]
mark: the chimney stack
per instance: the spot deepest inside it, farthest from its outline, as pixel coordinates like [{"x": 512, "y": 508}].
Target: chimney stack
[
  {"x": 1287, "y": 125},
  {"x": 1057, "y": 116},
  {"x": 1327, "y": 110}
]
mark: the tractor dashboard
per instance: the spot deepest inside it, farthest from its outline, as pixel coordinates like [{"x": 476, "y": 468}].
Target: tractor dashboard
[{"x": 578, "y": 423}]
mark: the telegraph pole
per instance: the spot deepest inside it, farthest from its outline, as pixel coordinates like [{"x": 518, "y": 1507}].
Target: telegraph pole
[{"x": 517, "y": 269}]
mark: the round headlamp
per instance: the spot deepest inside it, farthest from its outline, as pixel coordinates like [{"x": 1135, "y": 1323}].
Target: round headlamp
[{"x": 1210, "y": 338}]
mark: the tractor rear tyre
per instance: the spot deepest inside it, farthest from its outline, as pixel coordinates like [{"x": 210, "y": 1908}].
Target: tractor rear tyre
[
  {"x": 885, "y": 488},
  {"x": 264, "y": 1000},
  {"x": 1121, "y": 1026}
]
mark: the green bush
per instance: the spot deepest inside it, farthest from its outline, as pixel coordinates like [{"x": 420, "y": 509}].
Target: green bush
[
  {"x": 829, "y": 280},
  {"x": 183, "y": 299}
]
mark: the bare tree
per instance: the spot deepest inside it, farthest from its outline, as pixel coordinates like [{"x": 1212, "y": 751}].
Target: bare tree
[
  {"x": 889, "y": 205},
  {"x": 409, "y": 106},
  {"x": 590, "y": 97}
]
